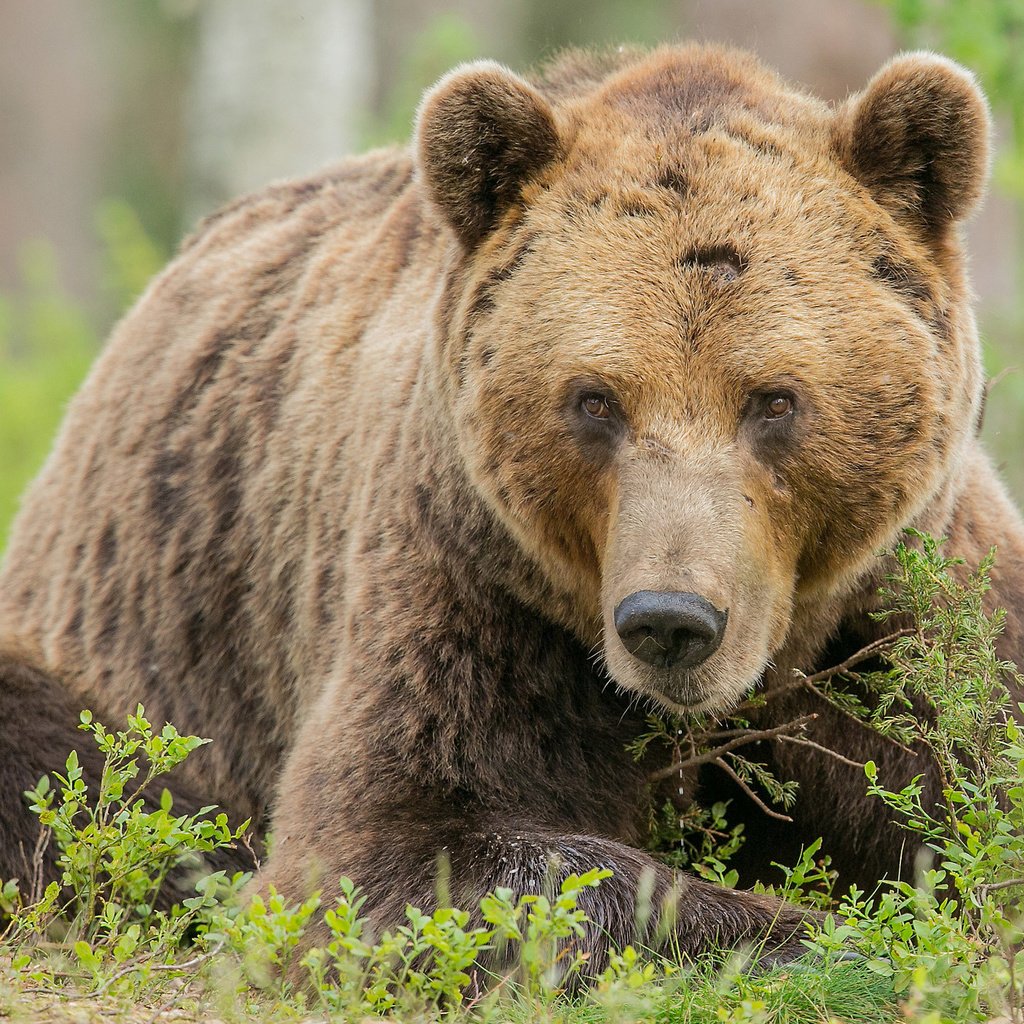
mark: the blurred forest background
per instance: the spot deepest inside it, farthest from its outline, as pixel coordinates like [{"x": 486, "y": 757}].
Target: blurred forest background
[{"x": 124, "y": 121}]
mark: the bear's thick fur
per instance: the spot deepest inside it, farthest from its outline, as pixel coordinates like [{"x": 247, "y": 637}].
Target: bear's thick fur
[{"x": 362, "y": 484}]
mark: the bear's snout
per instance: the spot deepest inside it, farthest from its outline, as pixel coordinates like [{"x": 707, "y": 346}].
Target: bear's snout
[{"x": 669, "y": 629}]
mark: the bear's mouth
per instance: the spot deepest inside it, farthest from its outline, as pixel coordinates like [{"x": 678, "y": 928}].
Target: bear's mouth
[
  {"x": 686, "y": 699},
  {"x": 713, "y": 687}
]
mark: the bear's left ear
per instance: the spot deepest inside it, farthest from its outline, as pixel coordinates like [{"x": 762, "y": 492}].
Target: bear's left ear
[
  {"x": 918, "y": 138},
  {"x": 481, "y": 133}
]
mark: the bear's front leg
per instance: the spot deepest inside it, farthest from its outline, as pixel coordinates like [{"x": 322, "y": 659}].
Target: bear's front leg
[
  {"x": 394, "y": 836},
  {"x": 643, "y": 903}
]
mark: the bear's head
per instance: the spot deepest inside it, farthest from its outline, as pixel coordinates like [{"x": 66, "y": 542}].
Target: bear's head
[{"x": 707, "y": 342}]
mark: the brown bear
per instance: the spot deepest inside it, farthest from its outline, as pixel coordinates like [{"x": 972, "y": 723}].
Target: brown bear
[{"x": 417, "y": 483}]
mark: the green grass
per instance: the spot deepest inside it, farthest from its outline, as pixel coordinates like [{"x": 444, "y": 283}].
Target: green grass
[{"x": 844, "y": 993}]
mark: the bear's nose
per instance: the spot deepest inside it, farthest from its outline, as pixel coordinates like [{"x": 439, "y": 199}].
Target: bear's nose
[{"x": 669, "y": 629}]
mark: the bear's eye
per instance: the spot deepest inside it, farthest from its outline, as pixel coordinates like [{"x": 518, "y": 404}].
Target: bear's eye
[
  {"x": 596, "y": 406},
  {"x": 595, "y": 417},
  {"x": 777, "y": 406}
]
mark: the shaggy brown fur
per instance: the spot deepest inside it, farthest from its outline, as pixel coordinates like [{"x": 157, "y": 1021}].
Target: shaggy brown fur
[{"x": 356, "y": 487}]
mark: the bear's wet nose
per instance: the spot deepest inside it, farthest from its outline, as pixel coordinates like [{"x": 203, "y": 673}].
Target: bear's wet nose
[{"x": 669, "y": 629}]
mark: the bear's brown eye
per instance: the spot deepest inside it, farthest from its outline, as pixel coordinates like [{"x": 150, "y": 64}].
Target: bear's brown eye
[
  {"x": 778, "y": 406},
  {"x": 595, "y": 417},
  {"x": 595, "y": 406}
]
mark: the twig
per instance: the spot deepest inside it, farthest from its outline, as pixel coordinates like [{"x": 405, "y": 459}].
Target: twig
[
  {"x": 744, "y": 737},
  {"x": 42, "y": 842},
  {"x": 246, "y": 840},
  {"x": 995, "y": 886},
  {"x": 808, "y": 682},
  {"x": 480, "y": 992},
  {"x": 805, "y": 742},
  {"x": 987, "y": 390},
  {"x": 727, "y": 768},
  {"x": 863, "y": 654},
  {"x": 125, "y": 971},
  {"x": 161, "y": 1010}
]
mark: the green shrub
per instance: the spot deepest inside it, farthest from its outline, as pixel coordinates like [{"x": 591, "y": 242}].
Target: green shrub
[
  {"x": 116, "y": 852},
  {"x": 954, "y": 940}
]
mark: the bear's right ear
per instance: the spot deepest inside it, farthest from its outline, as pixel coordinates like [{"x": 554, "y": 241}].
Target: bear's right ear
[
  {"x": 918, "y": 138},
  {"x": 481, "y": 133}
]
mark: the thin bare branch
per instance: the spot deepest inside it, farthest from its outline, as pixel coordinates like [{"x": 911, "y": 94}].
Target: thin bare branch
[
  {"x": 727, "y": 768},
  {"x": 803, "y": 741},
  {"x": 744, "y": 737},
  {"x": 1010, "y": 883},
  {"x": 868, "y": 651},
  {"x": 38, "y": 873},
  {"x": 125, "y": 971},
  {"x": 808, "y": 682}
]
